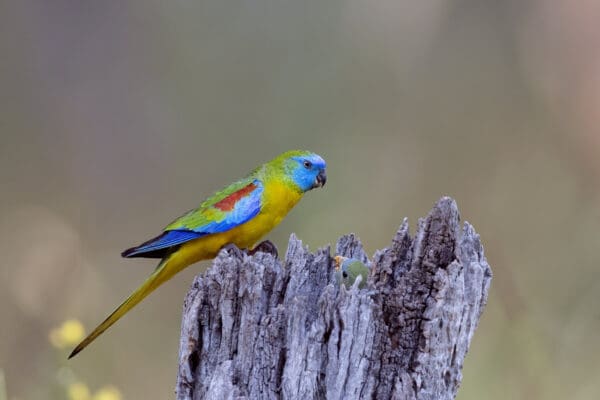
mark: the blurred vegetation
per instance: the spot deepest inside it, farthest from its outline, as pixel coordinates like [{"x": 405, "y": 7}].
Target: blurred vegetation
[{"x": 117, "y": 117}]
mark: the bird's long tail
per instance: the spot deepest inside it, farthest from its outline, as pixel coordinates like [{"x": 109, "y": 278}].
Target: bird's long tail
[{"x": 165, "y": 270}]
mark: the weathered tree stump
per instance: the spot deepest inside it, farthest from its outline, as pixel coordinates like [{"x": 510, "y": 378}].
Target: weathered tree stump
[{"x": 258, "y": 328}]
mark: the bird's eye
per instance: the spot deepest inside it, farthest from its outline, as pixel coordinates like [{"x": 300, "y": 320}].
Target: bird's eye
[
  {"x": 344, "y": 274},
  {"x": 307, "y": 164}
]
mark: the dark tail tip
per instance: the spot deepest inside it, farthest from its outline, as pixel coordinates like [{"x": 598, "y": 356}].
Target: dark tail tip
[
  {"x": 128, "y": 252},
  {"x": 75, "y": 352}
]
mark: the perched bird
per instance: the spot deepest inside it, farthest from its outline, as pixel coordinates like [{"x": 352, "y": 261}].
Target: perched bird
[
  {"x": 240, "y": 214},
  {"x": 348, "y": 269}
]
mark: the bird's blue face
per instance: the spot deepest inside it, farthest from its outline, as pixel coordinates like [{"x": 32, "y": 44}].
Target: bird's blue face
[{"x": 308, "y": 171}]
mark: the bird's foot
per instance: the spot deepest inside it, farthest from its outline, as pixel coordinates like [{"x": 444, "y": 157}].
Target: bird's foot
[
  {"x": 233, "y": 250},
  {"x": 266, "y": 246}
]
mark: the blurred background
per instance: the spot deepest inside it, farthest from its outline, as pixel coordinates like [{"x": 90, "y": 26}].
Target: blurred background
[{"x": 117, "y": 117}]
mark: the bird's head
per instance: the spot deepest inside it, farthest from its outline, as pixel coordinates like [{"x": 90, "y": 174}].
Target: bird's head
[
  {"x": 304, "y": 168},
  {"x": 347, "y": 270},
  {"x": 342, "y": 264}
]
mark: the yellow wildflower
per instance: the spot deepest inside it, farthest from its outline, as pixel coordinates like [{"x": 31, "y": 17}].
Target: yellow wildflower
[
  {"x": 108, "y": 393},
  {"x": 78, "y": 391},
  {"x": 68, "y": 334}
]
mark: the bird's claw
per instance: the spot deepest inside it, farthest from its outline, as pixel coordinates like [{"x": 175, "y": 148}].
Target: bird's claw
[
  {"x": 266, "y": 246},
  {"x": 233, "y": 250}
]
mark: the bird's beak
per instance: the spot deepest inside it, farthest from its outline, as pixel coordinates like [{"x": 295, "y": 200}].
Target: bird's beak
[
  {"x": 320, "y": 179},
  {"x": 338, "y": 262}
]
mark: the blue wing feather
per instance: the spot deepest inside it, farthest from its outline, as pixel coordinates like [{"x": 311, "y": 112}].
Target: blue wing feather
[
  {"x": 166, "y": 240},
  {"x": 245, "y": 209}
]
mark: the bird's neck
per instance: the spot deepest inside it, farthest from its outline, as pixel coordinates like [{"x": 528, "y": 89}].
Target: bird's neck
[{"x": 281, "y": 196}]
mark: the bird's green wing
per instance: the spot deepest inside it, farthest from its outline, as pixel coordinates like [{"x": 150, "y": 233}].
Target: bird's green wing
[{"x": 226, "y": 209}]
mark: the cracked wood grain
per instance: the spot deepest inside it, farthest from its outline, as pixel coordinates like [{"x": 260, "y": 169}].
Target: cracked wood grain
[{"x": 256, "y": 327}]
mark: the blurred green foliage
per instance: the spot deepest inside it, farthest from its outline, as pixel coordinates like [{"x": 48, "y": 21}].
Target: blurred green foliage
[{"x": 117, "y": 117}]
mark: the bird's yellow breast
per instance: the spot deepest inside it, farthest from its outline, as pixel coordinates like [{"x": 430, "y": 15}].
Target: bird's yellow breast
[{"x": 278, "y": 199}]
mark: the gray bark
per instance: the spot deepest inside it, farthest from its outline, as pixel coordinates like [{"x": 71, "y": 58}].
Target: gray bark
[{"x": 255, "y": 327}]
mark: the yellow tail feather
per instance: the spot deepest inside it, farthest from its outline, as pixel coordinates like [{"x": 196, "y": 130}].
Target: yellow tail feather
[{"x": 165, "y": 270}]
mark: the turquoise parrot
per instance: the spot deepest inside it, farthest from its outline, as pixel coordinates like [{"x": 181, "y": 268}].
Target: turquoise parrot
[
  {"x": 240, "y": 214},
  {"x": 348, "y": 269}
]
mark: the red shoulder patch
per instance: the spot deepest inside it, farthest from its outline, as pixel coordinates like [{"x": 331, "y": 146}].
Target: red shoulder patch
[{"x": 228, "y": 202}]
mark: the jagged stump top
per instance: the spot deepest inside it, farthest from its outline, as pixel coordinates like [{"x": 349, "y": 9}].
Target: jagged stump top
[{"x": 258, "y": 328}]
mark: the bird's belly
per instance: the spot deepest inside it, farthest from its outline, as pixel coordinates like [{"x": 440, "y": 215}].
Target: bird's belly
[
  {"x": 278, "y": 201},
  {"x": 243, "y": 236}
]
